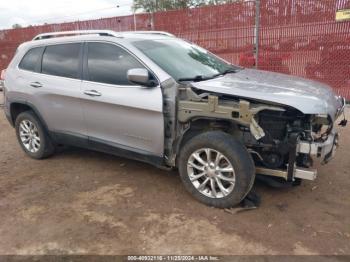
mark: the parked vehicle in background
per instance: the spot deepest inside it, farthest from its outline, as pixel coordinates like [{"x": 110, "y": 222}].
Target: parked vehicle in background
[{"x": 156, "y": 98}]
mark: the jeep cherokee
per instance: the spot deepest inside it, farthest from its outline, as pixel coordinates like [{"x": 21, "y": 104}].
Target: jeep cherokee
[{"x": 156, "y": 98}]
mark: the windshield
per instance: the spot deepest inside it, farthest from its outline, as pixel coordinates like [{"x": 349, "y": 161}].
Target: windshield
[{"x": 183, "y": 60}]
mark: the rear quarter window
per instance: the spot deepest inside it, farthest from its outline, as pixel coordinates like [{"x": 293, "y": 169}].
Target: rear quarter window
[{"x": 31, "y": 60}]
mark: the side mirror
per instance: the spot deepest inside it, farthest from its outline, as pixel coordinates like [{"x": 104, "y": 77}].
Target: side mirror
[{"x": 140, "y": 76}]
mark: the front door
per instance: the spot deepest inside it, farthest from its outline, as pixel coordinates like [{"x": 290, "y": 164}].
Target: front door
[{"x": 117, "y": 112}]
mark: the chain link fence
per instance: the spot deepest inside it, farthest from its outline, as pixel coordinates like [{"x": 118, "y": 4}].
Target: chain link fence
[{"x": 298, "y": 37}]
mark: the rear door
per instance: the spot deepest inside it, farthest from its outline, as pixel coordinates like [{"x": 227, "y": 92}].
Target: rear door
[
  {"x": 55, "y": 88},
  {"x": 117, "y": 112}
]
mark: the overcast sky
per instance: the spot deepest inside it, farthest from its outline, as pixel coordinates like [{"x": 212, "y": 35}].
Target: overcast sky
[{"x": 33, "y": 12}]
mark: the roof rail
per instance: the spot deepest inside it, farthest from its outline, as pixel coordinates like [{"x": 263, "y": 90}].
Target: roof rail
[
  {"x": 97, "y": 32},
  {"x": 148, "y": 32},
  {"x": 78, "y": 32}
]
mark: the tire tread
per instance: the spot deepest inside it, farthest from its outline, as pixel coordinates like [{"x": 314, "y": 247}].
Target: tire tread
[{"x": 239, "y": 157}]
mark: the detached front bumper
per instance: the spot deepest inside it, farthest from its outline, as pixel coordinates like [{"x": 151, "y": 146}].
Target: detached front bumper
[{"x": 323, "y": 150}]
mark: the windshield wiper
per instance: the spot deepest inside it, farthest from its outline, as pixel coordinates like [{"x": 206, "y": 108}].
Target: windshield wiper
[
  {"x": 227, "y": 71},
  {"x": 195, "y": 79},
  {"x": 199, "y": 78}
]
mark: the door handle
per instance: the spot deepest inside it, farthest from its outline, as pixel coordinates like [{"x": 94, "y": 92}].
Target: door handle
[
  {"x": 92, "y": 93},
  {"x": 36, "y": 84}
]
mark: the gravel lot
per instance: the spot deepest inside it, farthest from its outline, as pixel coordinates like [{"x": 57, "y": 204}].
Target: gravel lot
[{"x": 83, "y": 202}]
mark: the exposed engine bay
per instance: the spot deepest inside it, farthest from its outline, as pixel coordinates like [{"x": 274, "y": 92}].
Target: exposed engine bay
[{"x": 282, "y": 140}]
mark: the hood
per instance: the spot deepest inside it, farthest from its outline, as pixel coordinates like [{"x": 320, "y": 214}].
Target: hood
[{"x": 307, "y": 96}]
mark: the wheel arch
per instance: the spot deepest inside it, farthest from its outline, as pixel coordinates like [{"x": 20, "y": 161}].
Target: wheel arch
[
  {"x": 17, "y": 107},
  {"x": 200, "y": 125},
  {"x": 237, "y": 155}
]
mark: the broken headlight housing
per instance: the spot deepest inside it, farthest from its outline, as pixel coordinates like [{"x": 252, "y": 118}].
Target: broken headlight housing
[{"x": 321, "y": 127}]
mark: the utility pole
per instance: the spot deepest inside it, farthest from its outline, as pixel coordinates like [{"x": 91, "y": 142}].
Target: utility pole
[
  {"x": 135, "y": 21},
  {"x": 152, "y": 14},
  {"x": 119, "y": 26},
  {"x": 257, "y": 32}
]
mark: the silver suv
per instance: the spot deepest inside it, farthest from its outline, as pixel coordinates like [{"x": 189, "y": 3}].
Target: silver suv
[{"x": 156, "y": 98}]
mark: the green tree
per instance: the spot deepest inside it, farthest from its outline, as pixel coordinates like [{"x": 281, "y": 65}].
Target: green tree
[
  {"x": 14, "y": 26},
  {"x": 165, "y": 5}
]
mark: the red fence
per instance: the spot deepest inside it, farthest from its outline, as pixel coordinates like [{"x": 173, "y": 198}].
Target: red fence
[
  {"x": 302, "y": 38},
  {"x": 299, "y": 37}
]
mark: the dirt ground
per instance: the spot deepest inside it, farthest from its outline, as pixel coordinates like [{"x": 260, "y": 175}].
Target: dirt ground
[{"x": 83, "y": 202}]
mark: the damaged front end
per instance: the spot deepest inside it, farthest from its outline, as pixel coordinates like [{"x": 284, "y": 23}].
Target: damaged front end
[{"x": 282, "y": 140}]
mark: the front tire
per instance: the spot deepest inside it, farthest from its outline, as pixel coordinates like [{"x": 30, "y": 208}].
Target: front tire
[
  {"x": 216, "y": 169},
  {"x": 32, "y": 136}
]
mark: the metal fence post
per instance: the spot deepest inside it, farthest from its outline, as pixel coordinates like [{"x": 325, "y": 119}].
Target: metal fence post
[
  {"x": 134, "y": 20},
  {"x": 257, "y": 31},
  {"x": 152, "y": 20}
]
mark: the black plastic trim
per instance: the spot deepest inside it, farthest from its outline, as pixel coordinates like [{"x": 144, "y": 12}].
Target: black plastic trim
[
  {"x": 99, "y": 145},
  {"x": 85, "y": 74},
  {"x": 124, "y": 151},
  {"x": 9, "y": 118},
  {"x": 71, "y": 139},
  {"x": 35, "y": 110}
]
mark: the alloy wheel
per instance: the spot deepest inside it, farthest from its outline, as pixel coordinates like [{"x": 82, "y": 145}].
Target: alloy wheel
[
  {"x": 211, "y": 173},
  {"x": 29, "y": 136}
]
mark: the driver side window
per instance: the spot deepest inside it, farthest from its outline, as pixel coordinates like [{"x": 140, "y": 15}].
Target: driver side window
[{"x": 109, "y": 64}]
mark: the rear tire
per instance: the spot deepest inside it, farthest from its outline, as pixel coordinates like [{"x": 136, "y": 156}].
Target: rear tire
[
  {"x": 32, "y": 136},
  {"x": 216, "y": 169}
]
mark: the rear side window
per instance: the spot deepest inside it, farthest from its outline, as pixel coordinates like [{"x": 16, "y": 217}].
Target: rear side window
[
  {"x": 61, "y": 60},
  {"x": 109, "y": 64},
  {"x": 31, "y": 60}
]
